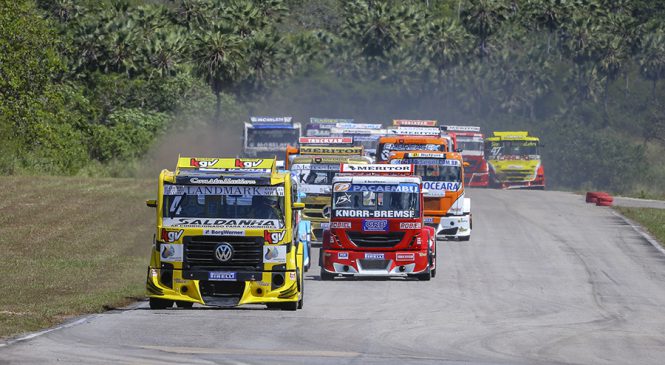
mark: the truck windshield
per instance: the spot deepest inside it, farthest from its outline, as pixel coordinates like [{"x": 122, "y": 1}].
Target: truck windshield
[
  {"x": 469, "y": 145},
  {"x": 512, "y": 148},
  {"x": 224, "y": 202},
  {"x": 314, "y": 174},
  {"x": 378, "y": 201},
  {"x": 386, "y": 148},
  {"x": 272, "y": 138},
  {"x": 439, "y": 173}
]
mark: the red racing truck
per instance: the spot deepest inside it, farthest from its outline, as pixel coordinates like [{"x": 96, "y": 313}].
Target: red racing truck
[
  {"x": 471, "y": 142},
  {"x": 376, "y": 225}
]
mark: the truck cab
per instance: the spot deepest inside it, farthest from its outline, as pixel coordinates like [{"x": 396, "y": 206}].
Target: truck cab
[
  {"x": 376, "y": 225},
  {"x": 514, "y": 161},
  {"x": 471, "y": 143},
  {"x": 268, "y": 137},
  {"x": 314, "y": 175},
  {"x": 401, "y": 142},
  {"x": 226, "y": 235},
  {"x": 446, "y": 207}
]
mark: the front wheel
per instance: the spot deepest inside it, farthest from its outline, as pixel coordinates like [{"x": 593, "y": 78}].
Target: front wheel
[
  {"x": 285, "y": 306},
  {"x": 326, "y": 275},
  {"x": 426, "y": 276},
  {"x": 158, "y": 303},
  {"x": 183, "y": 304}
]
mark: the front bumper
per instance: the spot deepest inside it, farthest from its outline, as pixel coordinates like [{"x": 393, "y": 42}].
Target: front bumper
[
  {"x": 452, "y": 227},
  {"x": 365, "y": 263},
  {"x": 246, "y": 287}
]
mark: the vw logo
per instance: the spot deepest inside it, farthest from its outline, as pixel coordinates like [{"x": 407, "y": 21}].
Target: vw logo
[
  {"x": 326, "y": 211},
  {"x": 224, "y": 252}
]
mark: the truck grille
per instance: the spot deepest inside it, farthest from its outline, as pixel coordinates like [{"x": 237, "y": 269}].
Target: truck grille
[
  {"x": 200, "y": 252},
  {"x": 517, "y": 175},
  {"x": 374, "y": 264},
  {"x": 314, "y": 211},
  {"x": 433, "y": 203},
  {"x": 389, "y": 239}
]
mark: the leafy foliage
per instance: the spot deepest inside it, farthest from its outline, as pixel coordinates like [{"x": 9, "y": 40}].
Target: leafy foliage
[{"x": 108, "y": 78}]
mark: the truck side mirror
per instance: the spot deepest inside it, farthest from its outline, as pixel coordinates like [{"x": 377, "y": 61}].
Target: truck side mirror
[
  {"x": 152, "y": 203},
  {"x": 298, "y": 206}
]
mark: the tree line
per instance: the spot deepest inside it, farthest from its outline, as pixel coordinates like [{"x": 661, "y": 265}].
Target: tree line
[{"x": 88, "y": 84}]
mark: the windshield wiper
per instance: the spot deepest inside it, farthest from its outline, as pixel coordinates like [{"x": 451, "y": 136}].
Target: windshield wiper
[{"x": 177, "y": 206}]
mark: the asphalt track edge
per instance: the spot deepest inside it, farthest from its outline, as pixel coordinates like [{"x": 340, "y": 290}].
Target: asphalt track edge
[
  {"x": 71, "y": 323},
  {"x": 639, "y": 229}
]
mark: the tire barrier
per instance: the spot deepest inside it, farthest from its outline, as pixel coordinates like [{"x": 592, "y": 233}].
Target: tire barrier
[{"x": 599, "y": 198}]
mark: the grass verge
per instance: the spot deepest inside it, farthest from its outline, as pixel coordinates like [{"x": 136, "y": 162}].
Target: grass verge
[
  {"x": 651, "y": 219},
  {"x": 70, "y": 246}
]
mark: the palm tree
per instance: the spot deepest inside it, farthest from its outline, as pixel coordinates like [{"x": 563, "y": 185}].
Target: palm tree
[
  {"x": 652, "y": 59},
  {"x": 219, "y": 58},
  {"x": 483, "y": 18}
]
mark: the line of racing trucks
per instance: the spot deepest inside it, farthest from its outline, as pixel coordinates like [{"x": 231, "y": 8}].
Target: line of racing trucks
[{"x": 378, "y": 201}]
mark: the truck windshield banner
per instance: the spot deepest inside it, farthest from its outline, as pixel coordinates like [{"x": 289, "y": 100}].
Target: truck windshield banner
[
  {"x": 223, "y": 222},
  {"x": 428, "y": 161},
  {"x": 434, "y": 186},
  {"x": 223, "y": 190},
  {"x": 349, "y": 213},
  {"x": 401, "y": 188}
]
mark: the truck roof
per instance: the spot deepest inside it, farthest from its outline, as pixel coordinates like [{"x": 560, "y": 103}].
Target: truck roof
[
  {"x": 328, "y": 159},
  {"x": 512, "y": 135},
  {"x": 218, "y": 171}
]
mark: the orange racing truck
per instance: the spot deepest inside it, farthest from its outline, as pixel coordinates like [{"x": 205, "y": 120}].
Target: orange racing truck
[
  {"x": 446, "y": 207},
  {"x": 471, "y": 143},
  {"x": 376, "y": 226},
  {"x": 399, "y": 142},
  {"x": 514, "y": 161}
]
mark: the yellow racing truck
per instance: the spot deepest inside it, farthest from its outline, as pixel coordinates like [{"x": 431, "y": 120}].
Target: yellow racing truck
[
  {"x": 514, "y": 161},
  {"x": 314, "y": 175},
  {"x": 226, "y": 236}
]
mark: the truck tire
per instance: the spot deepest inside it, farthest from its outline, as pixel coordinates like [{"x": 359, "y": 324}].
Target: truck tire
[
  {"x": 425, "y": 276},
  {"x": 158, "y": 303},
  {"x": 326, "y": 275},
  {"x": 183, "y": 304}
]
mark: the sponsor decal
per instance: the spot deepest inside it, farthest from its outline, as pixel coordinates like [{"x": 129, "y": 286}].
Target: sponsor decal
[
  {"x": 379, "y": 225},
  {"x": 412, "y": 146},
  {"x": 329, "y": 120},
  {"x": 153, "y": 273},
  {"x": 262, "y": 283},
  {"x": 199, "y": 163},
  {"x": 341, "y": 187},
  {"x": 171, "y": 236},
  {"x": 180, "y": 281},
  {"x": 316, "y": 166},
  {"x": 240, "y": 223},
  {"x": 374, "y": 256},
  {"x": 350, "y": 213},
  {"x": 221, "y": 276},
  {"x": 270, "y": 119},
  {"x": 342, "y": 225},
  {"x": 274, "y": 237},
  {"x": 342, "y": 255},
  {"x": 410, "y": 225},
  {"x": 325, "y": 140},
  {"x": 352, "y": 126},
  {"x": 325, "y": 226},
  {"x": 224, "y": 232},
  {"x": 441, "y": 185},
  {"x": 292, "y": 276},
  {"x": 247, "y": 164},
  {"x": 405, "y": 256},
  {"x": 212, "y": 181},
  {"x": 315, "y": 189},
  {"x": 428, "y": 220},
  {"x": 376, "y": 168},
  {"x": 223, "y": 190},
  {"x": 310, "y": 150},
  {"x": 429, "y": 161},
  {"x": 401, "y": 188},
  {"x": 414, "y": 122},
  {"x": 461, "y": 128},
  {"x": 274, "y": 254},
  {"x": 170, "y": 252},
  {"x": 414, "y": 131}
]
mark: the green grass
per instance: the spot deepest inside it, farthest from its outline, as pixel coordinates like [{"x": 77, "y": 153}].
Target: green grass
[
  {"x": 70, "y": 246},
  {"x": 651, "y": 219}
]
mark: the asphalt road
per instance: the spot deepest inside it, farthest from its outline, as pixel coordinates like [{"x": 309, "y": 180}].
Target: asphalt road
[{"x": 545, "y": 279}]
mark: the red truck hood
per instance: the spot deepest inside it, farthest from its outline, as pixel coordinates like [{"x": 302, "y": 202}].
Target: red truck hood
[{"x": 372, "y": 234}]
